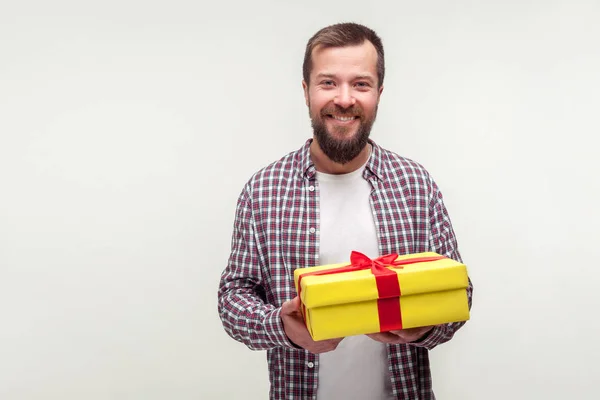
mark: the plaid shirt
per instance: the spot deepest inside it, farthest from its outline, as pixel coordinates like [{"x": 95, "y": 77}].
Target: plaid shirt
[{"x": 277, "y": 230}]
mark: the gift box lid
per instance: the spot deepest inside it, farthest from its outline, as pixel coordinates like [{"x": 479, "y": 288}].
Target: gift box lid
[{"x": 357, "y": 286}]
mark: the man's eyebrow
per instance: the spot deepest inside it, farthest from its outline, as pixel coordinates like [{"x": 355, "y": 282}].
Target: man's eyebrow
[
  {"x": 325, "y": 75},
  {"x": 366, "y": 77}
]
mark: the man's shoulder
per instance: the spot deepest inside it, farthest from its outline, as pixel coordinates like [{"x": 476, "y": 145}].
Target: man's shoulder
[
  {"x": 276, "y": 173},
  {"x": 399, "y": 166}
]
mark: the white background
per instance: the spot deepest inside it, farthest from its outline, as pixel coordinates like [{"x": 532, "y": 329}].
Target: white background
[{"x": 127, "y": 129}]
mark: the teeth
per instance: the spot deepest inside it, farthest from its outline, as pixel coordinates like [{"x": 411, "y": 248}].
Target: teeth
[{"x": 343, "y": 118}]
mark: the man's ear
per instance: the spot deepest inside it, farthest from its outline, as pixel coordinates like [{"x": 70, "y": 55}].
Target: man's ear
[
  {"x": 305, "y": 89},
  {"x": 380, "y": 91}
]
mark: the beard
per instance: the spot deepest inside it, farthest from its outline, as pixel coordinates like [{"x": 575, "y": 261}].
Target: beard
[{"x": 344, "y": 150}]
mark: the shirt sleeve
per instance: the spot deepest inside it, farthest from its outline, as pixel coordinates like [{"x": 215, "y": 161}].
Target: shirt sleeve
[
  {"x": 241, "y": 305},
  {"x": 442, "y": 241}
]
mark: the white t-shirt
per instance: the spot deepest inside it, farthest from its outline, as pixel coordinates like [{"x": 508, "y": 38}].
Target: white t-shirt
[{"x": 358, "y": 367}]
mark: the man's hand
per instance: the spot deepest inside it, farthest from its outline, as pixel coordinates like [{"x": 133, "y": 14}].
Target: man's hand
[
  {"x": 402, "y": 336},
  {"x": 296, "y": 330}
]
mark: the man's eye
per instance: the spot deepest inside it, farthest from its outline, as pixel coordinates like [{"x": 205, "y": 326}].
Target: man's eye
[
  {"x": 362, "y": 84},
  {"x": 327, "y": 83}
]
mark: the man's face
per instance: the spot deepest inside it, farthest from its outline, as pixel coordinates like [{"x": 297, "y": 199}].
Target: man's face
[{"x": 342, "y": 98}]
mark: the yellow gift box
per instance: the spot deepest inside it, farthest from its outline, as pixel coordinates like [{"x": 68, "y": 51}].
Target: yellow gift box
[{"x": 387, "y": 293}]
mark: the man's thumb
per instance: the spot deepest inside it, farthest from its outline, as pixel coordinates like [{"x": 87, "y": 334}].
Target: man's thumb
[{"x": 291, "y": 306}]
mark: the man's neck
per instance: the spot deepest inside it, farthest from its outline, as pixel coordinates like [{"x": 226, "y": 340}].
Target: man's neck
[{"x": 326, "y": 165}]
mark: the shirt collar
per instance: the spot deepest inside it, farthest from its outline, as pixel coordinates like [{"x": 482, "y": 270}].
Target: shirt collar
[{"x": 374, "y": 166}]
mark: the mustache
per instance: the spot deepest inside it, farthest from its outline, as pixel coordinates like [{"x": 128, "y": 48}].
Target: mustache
[{"x": 337, "y": 110}]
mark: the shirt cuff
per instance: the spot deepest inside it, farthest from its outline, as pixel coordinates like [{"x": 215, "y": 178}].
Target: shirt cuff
[
  {"x": 275, "y": 331},
  {"x": 429, "y": 339}
]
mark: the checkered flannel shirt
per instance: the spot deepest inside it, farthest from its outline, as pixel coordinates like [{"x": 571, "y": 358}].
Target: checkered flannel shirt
[{"x": 276, "y": 230}]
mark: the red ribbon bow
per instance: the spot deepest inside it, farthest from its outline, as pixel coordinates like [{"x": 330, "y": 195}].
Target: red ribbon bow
[{"x": 388, "y": 287}]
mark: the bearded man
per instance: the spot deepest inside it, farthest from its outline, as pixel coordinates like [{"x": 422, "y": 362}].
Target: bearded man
[{"x": 338, "y": 193}]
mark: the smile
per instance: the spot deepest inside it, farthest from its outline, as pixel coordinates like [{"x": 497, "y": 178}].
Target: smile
[{"x": 340, "y": 118}]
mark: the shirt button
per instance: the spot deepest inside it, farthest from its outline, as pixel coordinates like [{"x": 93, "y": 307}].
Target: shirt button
[
  {"x": 311, "y": 188},
  {"x": 310, "y": 364},
  {"x": 312, "y": 230}
]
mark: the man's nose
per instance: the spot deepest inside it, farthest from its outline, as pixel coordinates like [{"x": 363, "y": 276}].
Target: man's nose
[{"x": 344, "y": 97}]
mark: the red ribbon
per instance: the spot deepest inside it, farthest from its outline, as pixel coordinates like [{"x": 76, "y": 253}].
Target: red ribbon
[{"x": 388, "y": 287}]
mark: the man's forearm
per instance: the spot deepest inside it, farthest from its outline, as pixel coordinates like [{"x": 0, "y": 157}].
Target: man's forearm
[{"x": 247, "y": 319}]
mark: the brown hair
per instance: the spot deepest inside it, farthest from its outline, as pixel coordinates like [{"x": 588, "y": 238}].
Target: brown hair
[{"x": 341, "y": 35}]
